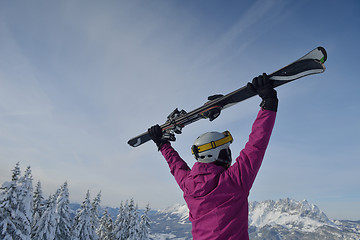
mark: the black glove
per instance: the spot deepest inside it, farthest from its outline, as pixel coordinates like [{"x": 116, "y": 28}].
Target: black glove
[
  {"x": 159, "y": 137},
  {"x": 264, "y": 87}
]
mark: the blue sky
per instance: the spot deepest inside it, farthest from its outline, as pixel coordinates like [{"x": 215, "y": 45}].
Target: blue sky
[{"x": 79, "y": 78}]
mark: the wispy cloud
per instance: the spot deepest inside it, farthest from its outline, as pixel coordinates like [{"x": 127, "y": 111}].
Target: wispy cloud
[{"x": 248, "y": 28}]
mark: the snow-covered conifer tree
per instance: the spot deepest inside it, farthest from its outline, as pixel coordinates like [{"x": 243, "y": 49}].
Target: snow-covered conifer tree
[
  {"x": 83, "y": 228},
  {"x": 119, "y": 230},
  {"x": 45, "y": 228},
  {"x": 126, "y": 225},
  {"x": 38, "y": 205},
  {"x": 95, "y": 210},
  {"x": 8, "y": 205},
  {"x": 13, "y": 222},
  {"x": 105, "y": 229},
  {"x": 64, "y": 222},
  {"x": 144, "y": 226},
  {"x": 133, "y": 216},
  {"x": 25, "y": 203}
]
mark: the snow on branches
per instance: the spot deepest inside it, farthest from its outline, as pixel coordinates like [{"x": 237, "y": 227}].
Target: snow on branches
[{"x": 26, "y": 215}]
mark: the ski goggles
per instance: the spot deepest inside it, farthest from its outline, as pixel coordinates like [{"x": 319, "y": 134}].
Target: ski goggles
[{"x": 195, "y": 150}]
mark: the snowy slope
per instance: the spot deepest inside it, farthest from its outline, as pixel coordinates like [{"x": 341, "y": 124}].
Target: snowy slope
[
  {"x": 180, "y": 210},
  {"x": 289, "y": 214},
  {"x": 171, "y": 223}
]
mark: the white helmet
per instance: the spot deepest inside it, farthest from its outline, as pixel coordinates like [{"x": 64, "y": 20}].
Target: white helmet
[{"x": 213, "y": 146}]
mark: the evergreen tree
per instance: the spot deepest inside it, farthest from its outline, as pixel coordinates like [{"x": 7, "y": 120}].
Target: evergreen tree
[
  {"x": 83, "y": 228},
  {"x": 8, "y": 205},
  {"x": 132, "y": 224},
  {"x": 25, "y": 203},
  {"x": 13, "y": 222},
  {"x": 105, "y": 230},
  {"x": 45, "y": 228},
  {"x": 95, "y": 205},
  {"x": 144, "y": 226},
  {"x": 64, "y": 222},
  {"x": 39, "y": 206},
  {"x": 119, "y": 231},
  {"x": 127, "y": 222}
]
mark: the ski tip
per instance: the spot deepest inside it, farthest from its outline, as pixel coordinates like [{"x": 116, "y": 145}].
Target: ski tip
[
  {"x": 130, "y": 143},
  {"x": 323, "y": 51},
  {"x": 137, "y": 141},
  {"x": 134, "y": 142}
]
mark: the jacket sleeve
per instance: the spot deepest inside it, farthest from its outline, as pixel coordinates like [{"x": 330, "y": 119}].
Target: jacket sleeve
[
  {"x": 249, "y": 161},
  {"x": 178, "y": 167}
]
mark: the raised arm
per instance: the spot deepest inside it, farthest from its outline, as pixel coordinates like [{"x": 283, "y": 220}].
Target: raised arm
[
  {"x": 178, "y": 167},
  {"x": 249, "y": 161}
]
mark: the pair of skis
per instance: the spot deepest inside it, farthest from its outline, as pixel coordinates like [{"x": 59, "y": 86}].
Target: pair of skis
[{"x": 311, "y": 63}]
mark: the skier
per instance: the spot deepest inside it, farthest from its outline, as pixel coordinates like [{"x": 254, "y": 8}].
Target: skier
[{"x": 216, "y": 192}]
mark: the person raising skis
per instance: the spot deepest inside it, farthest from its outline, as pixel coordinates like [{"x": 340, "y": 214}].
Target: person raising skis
[{"x": 215, "y": 191}]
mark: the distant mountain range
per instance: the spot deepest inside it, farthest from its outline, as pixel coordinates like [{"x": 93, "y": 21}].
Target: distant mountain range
[
  {"x": 270, "y": 220},
  {"x": 284, "y": 219}
]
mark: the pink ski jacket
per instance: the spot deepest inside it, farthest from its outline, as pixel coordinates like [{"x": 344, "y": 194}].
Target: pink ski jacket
[{"x": 217, "y": 198}]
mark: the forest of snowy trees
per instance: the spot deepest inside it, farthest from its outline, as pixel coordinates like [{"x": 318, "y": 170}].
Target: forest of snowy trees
[{"x": 25, "y": 214}]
